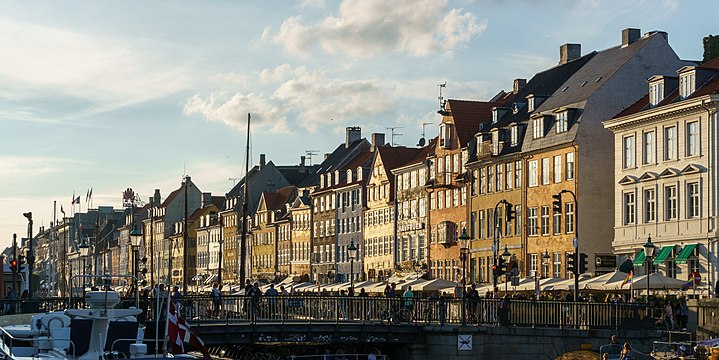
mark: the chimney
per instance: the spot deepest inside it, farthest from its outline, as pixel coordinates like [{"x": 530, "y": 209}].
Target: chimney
[
  {"x": 629, "y": 36},
  {"x": 569, "y": 52},
  {"x": 156, "y": 198},
  {"x": 327, "y": 155},
  {"x": 518, "y": 85},
  {"x": 354, "y": 133},
  {"x": 262, "y": 161},
  {"x": 377, "y": 140},
  {"x": 206, "y": 199},
  {"x": 302, "y": 164}
]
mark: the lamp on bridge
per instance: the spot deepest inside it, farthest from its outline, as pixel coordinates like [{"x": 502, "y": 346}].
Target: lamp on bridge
[
  {"x": 463, "y": 253},
  {"x": 506, "y": 255},
  {"x": 649, "y": 248},
  {"x": 352, "y": 254},
  {"x": 83, "y": 249},
  {"x": 135, "y": 239}
]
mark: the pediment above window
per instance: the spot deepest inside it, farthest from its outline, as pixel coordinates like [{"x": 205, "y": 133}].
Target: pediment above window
[
  {"x": 692, "y": 169},
  {"x": 628, "y": 180},
  {"x": 669, "y": 172},
  {"x": 648, "y": 176}
]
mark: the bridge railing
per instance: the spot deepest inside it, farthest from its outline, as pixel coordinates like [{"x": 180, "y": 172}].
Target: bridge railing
[{"x": 308, "y": 309}]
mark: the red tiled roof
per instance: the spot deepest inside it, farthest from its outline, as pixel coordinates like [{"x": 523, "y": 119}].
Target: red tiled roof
[
  {"x": 468, "y": 115},
  {"x": 394, "y": 157},
  {"x": 276, "y": 200},
  {"x": 423, "y": 153},
  {"x": 359, "y": 160},
  {"x": 711, "y": 64}
]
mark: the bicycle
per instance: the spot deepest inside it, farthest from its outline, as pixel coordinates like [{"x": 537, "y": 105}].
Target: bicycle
[{"x": 400, "y": 315}]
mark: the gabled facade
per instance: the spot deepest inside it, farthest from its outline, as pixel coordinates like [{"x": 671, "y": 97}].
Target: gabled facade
[
  {"x": 301, "y": 234},
  {"x": 664, "y": 175},
  {"x": 271, "y": 208},
  {"x": 565, "y": 147}
]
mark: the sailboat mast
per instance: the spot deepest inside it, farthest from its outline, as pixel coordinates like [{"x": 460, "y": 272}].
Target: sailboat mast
[{"x": 243, "y": 239}]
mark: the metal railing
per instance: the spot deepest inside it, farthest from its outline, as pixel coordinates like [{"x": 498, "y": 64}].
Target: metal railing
[{"x": 343, "y": 309}]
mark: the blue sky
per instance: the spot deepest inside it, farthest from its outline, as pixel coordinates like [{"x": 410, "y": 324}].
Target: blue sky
[{"x": 111, "y": 95}]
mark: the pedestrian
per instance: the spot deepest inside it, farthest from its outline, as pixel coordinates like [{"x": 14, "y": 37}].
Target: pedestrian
[
  {"x": 614, "y": 341},
  {"x": 408, "y": 297},
  {"x": 272, "y": 293},
  {"x": 176, "y": 296},
  {"x": 669, "y": 316},
  {"x": 683, "y": 314},
  {"x": 443, "y": 308},
  {"x": 256, "y": 294},
  {"x": 472, "y": 303},
  {"x": 25, "y": 295},
  {"x": 215, "y": 296},
  {"x": 626, "y": 353},
  {"x": 371, "y": 355},
  {"x": 12, "y": 296}
]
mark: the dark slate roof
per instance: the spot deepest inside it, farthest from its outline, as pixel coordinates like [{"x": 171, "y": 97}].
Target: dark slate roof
[
  {"x": 709, "y": 87},
  {"x": 276, "y": 200},
  {"x": 341, "y": 155},
  {"x": 295, "y": 175}
]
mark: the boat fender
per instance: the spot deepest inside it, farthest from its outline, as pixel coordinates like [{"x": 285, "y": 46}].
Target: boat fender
[{"x": 48, "y": 320}]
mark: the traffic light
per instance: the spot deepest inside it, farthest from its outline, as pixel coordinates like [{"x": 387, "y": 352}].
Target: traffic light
[
  {"x": 571, "y": 263},
  {"x": 502, "y": 267},
  {"x": 21, "y": 262},
  {"x": 557, "y": 203},
  {"x": 582, "y": 263},
  {"x": 13, "y": 265},
  {"x": 509, "y": 211},
  {"x": 495, "y": 269}
]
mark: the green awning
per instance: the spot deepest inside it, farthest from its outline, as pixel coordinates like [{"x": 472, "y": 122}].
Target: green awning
[
  {"x": 639, "y": 259},
  {"x": 684, "y": 255},
  {"x": 663, "y": 254}
]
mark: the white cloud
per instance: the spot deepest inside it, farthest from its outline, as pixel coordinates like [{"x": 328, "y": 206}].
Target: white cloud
[
  {"x": 14, "y": 167},
  {"x": 310, "y": 4},
  {"x": 232, "y": 110},
  {"x": 365, "y": 28},
  {"x": 105, "y": 73}
]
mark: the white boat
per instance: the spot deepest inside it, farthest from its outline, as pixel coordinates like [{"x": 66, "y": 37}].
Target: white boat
[{"x": 99, "y": 332}]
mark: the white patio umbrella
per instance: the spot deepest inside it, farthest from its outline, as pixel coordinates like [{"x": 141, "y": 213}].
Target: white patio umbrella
[
  {"x": 566, "y": 284},
  {"x": 610, "y": 281},
  {"x": 433, "y": 285},
  {"x": 656, "y": 282}
]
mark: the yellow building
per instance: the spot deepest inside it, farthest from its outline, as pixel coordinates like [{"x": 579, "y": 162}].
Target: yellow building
[{"x": 264, "y": 232}]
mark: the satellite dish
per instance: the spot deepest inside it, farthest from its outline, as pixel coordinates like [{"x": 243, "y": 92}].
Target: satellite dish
[{"x": 421, "y": 142}]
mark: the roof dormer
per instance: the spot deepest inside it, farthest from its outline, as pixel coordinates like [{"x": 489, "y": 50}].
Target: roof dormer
[
  {"x": 533, "y": 101},
  {"x": 337, "y": 177},
  {"x": 687, "y": 81},
  {"x": 445, "y": 135},
  {"x": 349, "y": 176},
  {"x": 659, "y": 87},
  {"x": 359, "y": 173},
  {"x": 498, "y": 113}
]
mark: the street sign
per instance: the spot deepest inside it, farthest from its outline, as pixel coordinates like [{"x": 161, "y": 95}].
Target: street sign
[
  {"x": 493, "y": 249},
  {"x": 464, "y": 342},
  {"x": 696, "y": 276}
]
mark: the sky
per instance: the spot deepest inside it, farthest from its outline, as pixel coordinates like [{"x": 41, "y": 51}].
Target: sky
[{"x": 109, "y": 95}]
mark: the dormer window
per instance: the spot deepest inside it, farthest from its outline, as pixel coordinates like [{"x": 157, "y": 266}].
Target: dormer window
[
  {"x": 359, "y": 173},
  {"x": 687, "y": 84},
  {"x": 498, "y": 113},
  {"x": 656, "y": 93},
  {"x": 445, "y": 135},
  {"x": 538, "y": 128},
  {"x": 530, "y": 103},
  {"x": 514, "y": 135},
  {"x": 562, "y": 122},
  {"x": 337, "y": 177},
  {"x": 349, "y": 176}
]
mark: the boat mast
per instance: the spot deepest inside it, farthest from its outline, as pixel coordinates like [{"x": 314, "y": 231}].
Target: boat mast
[{"x": 243, "y": 239}]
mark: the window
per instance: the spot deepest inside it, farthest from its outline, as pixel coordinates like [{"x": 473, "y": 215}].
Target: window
[
  {"x": 650, "y": 148},
  {"x": 482, "y": 180},
  {"x": 670, "y": 196},
  {"x": 532, "y": 221},
  {"x": 629, "y": 152},
  {"x": 447, "y": 169},
  {"x": 533, "y": 263},
  {"x": 656, "y": 93},
  {"x": 455, "y": 164},
  {"x": 498, "y": 221},
  {"x": 500, "y": 181},
  {"x": 557, "y": 265},
  {"x": 557, "y": 169},
  {"x": 514, "y": 135},
  {"x": 518, "y": 220},
  {"x": 670, "y": 143},
  {"x": 650, "y": 206},
  {"x": 473, "y": 185},
  {"x": 538, "y": 128},
  {"x": 545, "y": 171},
  {"x": 561, "y": 120},
  {"x": 557, "y": 222},
  {"x": 490, "y": 223},
  {"x": 480, "y": 226},
  {"x": 693, "y": 138},
  {"x": 693, "y": 200},
  {"x": 569, "y": 165},
  {"x": 629, "y": 208},
  {"x": 509, "y": 175},
  {"x": 518, "y": 174},
  {"x": 490, "y": 179},
  {"x": 445, "y": 135},
  {"x": 545, "y": 220},
  {"x": 569, "y": 217},
  {"x": 686, "y": 84},
  {"x": 533, "y": 173},
  {"x": 440, "y": 166}
]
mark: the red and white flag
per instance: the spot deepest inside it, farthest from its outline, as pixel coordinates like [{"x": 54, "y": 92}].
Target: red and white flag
[{"x": 179, "y": 332}]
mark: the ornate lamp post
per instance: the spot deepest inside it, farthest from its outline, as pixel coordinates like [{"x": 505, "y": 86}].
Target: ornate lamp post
[
  {"x": 506, "y": 255},
  {"x": 83, "y": 249},
  {"x": 135, "y": 239},
  {"x": 649, "y": 248},
  {"x": 352, "y": 253},
  {"x": 463, "y": 253}
]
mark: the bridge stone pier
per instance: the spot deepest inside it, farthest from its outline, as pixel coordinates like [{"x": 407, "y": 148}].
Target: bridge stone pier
[{"x": 417, "y": 342}]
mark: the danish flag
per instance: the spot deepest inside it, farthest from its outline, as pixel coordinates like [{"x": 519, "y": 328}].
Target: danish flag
[{"x": 179, "y": 332}]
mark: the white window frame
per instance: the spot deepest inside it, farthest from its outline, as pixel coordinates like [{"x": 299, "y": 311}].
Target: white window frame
[
  {"x": 558, "y": 168},
  {"x": 649, "y": 148},
  {"x": 569, "y": 166},
  {"x": 629, "y": 206},
  {"x": 693, "y": 200},
  {"x": 562, "y": 122},
  {"x": 670, "y": 142},
  {"x": 533, "y": 173},
  {"x": 692, "y": 138},
  {"x": 538, "y": 128},
  {"x": 629, "y": 152},
  {"x": 545, "y": 171},
  {"x": 671, "y": 205},
  {"x": 650, "y": 205}
]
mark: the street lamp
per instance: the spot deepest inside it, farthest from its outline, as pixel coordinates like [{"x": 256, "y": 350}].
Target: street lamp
[
  {"x": 649, "y": 248},
  {"x": 31, "y": 253},
  {"x": 545, "y": 262},
  {"x": 463, "y": 252},
  {"x": 352, "y": 253},
  {"x": 83, "y": 249},
  {"x": 506, "y": 255},
  {"x": 135, "y": 239}
]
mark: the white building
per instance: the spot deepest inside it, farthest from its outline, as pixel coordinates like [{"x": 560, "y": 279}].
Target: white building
[{"x": 665, "y": 154}]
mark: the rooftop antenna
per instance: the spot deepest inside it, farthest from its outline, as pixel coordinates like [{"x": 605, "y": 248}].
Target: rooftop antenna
[
  {"x": 234, "y": 180},
  {"x": 422, "y": 140},
  {"x": 310, "y": 154},
  {"x": 393, "y": 134},
  {"x": 441, "y": 99}
]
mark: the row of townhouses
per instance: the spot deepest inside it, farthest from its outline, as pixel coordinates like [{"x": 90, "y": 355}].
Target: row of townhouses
[{"x": 626, "y": 137}]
